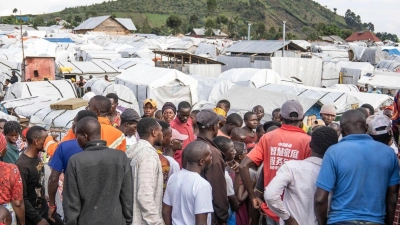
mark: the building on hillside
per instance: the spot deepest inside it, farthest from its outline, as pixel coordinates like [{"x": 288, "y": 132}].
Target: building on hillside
[
  {"x": 23, "y": 18},
  {"x": 257, "y": 54},
  {"x": 333, "y": 39},
  {"x": 106, "y": 24},
  {"x": 201, "y": 33},
  {"x": 364, "y": 36}
]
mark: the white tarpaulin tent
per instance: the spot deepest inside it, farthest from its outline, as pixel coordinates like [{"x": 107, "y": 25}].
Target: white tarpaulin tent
[
  {"x": 253, "y": 77},
  {"x": 55, "y": 89},
  {"x": 126, "y": 97},
  {"x": 324, "y": 96},
  {"x": 210, "y": 89},
  {"x": 352, "y": 71},
  {"x": 96, "y": 68},
  {"x": 88, "y": 55},
  {"x": 307, "y": 70},
  {"x": 243, "y": 99},
  {"x": 381, "y": 81},
  {"x": 160, "y": 84},
  {"x": 345, "y": 87}
]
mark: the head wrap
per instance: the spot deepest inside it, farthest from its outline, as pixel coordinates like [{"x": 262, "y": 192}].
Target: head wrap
[
  {"x": 219, "y": 111},
  {"x": 168, "y": 105}
]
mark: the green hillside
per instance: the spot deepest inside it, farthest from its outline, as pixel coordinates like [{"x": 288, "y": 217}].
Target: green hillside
[{"x": 302, "y": 16}]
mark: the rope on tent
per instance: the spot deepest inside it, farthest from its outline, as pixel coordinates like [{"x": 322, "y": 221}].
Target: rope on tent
[
  {"x": 29, "y": 90},
  {"x": 56, "y": 88},
  {"x": 110, "y": 66},
  {"x": 105, "y": 88},
  {"x": 73, "y": 88},
  {"x": 52, "y": 121},
  {"x": 99, "y": 66}
]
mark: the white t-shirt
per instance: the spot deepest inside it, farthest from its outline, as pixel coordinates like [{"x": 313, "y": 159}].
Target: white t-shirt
[
  {"x": 188, "y": 194},
  {"x": 88, "y": 96},
  {"x": 229, "y": 184},
  {"x": 130, "y": 141},
  {"x": 173, "y": 165}
]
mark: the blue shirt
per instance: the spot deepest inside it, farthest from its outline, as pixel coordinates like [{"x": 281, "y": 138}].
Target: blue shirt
[
  {"x": 64, "y": 151},
  {"x": 358, "y": 172}
]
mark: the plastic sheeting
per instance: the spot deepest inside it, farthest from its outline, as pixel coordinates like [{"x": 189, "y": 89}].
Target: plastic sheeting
[
  {"x": 126, "y": 63},
  {"x": 210, "y": 89},
  {"x": 389, "y": 65},
  {"x": 345, "y": 87},
  {"x": 352, "y": 71},
  {"x": 381, "y": 81},
  {"x": 233, "y": 62},
  {"x": 207, "y": 70},
  {"x": 160, "y": 84},
  {"x": 126, "y": 97},
  {"x": 54, "y": 89},
  {"x": 253, "y": 77},
  {"x": 307, "y": 70},
  {"x": 267, "y": 99}
]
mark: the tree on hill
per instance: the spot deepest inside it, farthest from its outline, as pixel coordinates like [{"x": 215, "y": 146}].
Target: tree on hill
[
  {"x": 77, "y": 19},
  {"x": 15, "y": 10},
  {"x": 210, "y": 24},
  {"x": 146, "y": 29},
  {"x": 193, "y": 20},
  {"x": 174, "y": 22},
  {"x": 211, "y": 6}
]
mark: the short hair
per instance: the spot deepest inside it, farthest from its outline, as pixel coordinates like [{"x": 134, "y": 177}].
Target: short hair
[
  {"x": 194, "y": 112},
  {"x": 113, "y": 96},
  {"x": 34, "y": 132},
  {"x": 12, "y": 126},
  {"x": 258, "y": 106},
  {"x": 146, "y": 126},
  {"x": 164, "y": 125},
  {"x": 353, "y": 121},
  {"x": 3, "y": 121},
  {"x": 89, "y": 88},
  {"x": 90, "y": 126},
  {"x": 323, "y": 138},
  {"x": 234, "y": 118},
  {"x": 194, "y": 151},
  {"x": 184, "y": 105},
  {"x": 364, "y": 111},
  {"x": 370, "y": 108},
  {"x": 259, "y": 127},
  {"x": 269, "y": 124},
  {"x": 275, "y": 111},
  {"x": 8, "y": 80},
  {"x": 247, "y": 115},
  {"x": 85, "y": 113},
  {"x": 224, "y": 102},
  {"x": 222, "y": 143},
  {"x": 239, "y": 147},
  {"x": 102, "y": 103}
]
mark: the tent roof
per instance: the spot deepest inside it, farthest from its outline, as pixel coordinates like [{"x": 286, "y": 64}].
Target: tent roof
[
  {"x": 388, "y": 65},
  {"x": 381, "y": 81},
  {"x": 262, "y": 47},
  {"x": 89, "y": 67}
]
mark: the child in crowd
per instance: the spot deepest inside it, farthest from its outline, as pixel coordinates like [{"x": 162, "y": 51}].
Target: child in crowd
[
  {"x": 224, "y": 104},
  {"x": 259, "y": 111},
  {"x": 226, "y": 146},
  {"x": 251, "y": 121},
  {"x": 158, "y": 115},
  {"x": 12, "y": 130},
  {"x": 242, "y": 215},
  {"x": 238, "y": 134}
]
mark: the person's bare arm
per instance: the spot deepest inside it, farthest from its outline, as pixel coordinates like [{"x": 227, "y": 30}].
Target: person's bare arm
[
  {"x": 52, "y": 189},
  {"x": 391, "y": 201},
  {"x": 321, "y": 206},
  {"x": 201, "y": 219},
  {"x": 167, "y": 214},
  {"x": 234, "y": 203},
  {"x": 19, "y": 209},
  {"x": 245, "y": 176}
]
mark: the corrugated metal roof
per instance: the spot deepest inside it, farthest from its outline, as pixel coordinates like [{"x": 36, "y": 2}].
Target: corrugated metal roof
[
  {"x": 207, "y": 49},
  {"x": 262, "y": 47},
  {"x": 91, "y": 23},
  {"x": 127, "y": 23}
]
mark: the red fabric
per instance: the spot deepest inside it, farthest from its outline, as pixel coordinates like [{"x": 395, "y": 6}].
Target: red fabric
[
  {"x": 269, "y": 213},
  {"x": 25, "y": 131},
  {"x": 11, "y": 183},
  {"x": 3, "y": 142},
  {"x": 186, "y": 129},
  {"x": 281, "y": 145}
]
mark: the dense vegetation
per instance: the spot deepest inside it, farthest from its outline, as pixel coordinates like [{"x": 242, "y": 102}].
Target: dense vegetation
[{"x": 305, "y": 19}]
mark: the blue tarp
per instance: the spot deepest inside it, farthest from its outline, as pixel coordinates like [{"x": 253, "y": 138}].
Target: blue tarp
[
  {"x": 59, "y": 40},
  {"x": 392, "y": 51}
]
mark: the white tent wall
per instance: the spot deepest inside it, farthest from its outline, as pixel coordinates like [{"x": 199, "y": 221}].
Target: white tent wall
[
  {"x": 269, "y": 100},
  {"x": 55, "y": 89},
  {"x": 126, "y": 97},
  {"x": 307, "y": 70},
  {"x": 206, "y": 70},
  {"x": 7, "y": 117},
  {"x": 232, "y": 62},
  {"x": 345, "y": 87},
  {"x": 330, "y": 75},
  {"x": 96, "y": 68},
  {"x": 210, "y": 89},
  {"x": 163, "y": 85},
  {"x": 382, "y": 82}
]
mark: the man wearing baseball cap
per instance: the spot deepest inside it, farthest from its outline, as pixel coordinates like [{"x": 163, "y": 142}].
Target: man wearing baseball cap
[
  {"x": 380, "y": 129},
  {"x": 129, "y": 120},
  {"x": 149, "y": 108},
  {"x": 289, "y": 142},
  {"x": 208, "y": 123}
]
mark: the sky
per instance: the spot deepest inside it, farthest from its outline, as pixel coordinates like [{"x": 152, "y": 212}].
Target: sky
[{"x": 383, "y": 14}]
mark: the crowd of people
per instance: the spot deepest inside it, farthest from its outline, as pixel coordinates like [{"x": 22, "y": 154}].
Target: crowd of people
[{"x": 182, "y": 166}]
